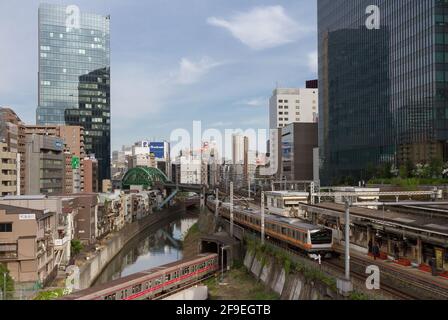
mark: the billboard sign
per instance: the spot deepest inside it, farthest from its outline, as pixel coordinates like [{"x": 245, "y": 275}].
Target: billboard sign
[
  {"x": 145, "y": 144},
  {"x": 75, "y": 163},
  {"x": 158, "y": 149}
]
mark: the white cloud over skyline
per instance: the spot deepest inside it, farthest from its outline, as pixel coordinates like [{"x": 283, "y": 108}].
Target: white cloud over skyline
[
  {"x": 262, "y": 27},
  {"x": 164, "y": 75},
  {"x": 191, "y": 72}
]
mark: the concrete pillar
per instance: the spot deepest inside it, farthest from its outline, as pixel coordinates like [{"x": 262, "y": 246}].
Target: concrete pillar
[
  {"x": 419, "y": 251},
  {"x": 338, "y": 225},
  {"x": 347, "y": 241},
  {"x": 369, "y": 236},
  {"x": 312, "y": 191},
  {"x": 314, "y": 215},
  {"x": 389, "y": 246}
]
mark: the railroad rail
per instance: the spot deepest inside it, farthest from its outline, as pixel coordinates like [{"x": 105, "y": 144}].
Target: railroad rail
[
  {"x": 375, "y": 194},
  {"x": 435, "y": 290},
  {"x": 394, "y": 282}
]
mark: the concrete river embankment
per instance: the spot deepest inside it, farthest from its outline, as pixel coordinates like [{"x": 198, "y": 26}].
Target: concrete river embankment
[{"x": 98, "y": 268}]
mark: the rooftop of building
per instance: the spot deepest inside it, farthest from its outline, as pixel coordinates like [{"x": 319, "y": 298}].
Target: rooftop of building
[
  {"x": 40, "y": 214},
  {"x": 287, "y": 194},
  {"x": 291, "y": 91}
]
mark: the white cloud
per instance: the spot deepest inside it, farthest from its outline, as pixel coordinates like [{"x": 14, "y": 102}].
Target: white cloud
[
  {"x": 262, "y": 27},
  {"x": 254, "y": 102},
  {"x": 313, "y": 61},
  {"x": 191, "y": 72}
]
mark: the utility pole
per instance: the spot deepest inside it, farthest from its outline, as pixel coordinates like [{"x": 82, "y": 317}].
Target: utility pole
[
  {"x": 231, "y": 209},
  {"x": 262, "y": 218},
  {"x": 217, "y": 202},
  {"x": 248, "y": 185},
  {"x": 347, "y": 239},
  {"x": 345, "y": 285}
]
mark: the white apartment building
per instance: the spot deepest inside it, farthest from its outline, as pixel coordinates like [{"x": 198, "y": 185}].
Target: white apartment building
[
  {"x": 240, "y": 149},
  {"x": 287, "y": 106}
]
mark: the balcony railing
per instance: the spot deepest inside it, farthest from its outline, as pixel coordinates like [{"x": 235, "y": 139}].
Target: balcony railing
[{"x": 61, "y": 242}]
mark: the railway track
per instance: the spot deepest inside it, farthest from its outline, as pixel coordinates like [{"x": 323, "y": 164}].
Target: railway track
[
  {"x": 400, "y": 294},
  {"x": 397, "y": 293},
  {"x": 395, "y": 282},
  {"x": 420, "y": 289}
]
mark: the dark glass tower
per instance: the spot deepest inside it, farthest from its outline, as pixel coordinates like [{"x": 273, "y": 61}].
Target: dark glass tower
[
  {"x": 74, "y": 76},
  {"x": 383, "y": 92}
]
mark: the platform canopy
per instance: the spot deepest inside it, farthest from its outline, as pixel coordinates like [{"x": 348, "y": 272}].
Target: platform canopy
[{"x": 143, "y": 176}]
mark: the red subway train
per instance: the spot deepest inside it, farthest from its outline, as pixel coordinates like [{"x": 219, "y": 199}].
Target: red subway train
[{"x": 150, "y": 284}]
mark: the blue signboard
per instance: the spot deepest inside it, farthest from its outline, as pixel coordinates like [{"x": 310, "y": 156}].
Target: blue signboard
[
  {"x": 58, "y": 144},
  {"x": 158, "y": 149}
]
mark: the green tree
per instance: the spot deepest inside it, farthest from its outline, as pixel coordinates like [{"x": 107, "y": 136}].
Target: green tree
[
  {"x": 76, "y": 247},
  {"x": 50, "y": 295},
  {"x": 5, "y": 278},
  {"x": 436, "y": 168},
  {"x": 403, "y": 172}
]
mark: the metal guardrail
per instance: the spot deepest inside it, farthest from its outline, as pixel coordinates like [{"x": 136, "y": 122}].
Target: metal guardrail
[{"x": 375, "y": 194}]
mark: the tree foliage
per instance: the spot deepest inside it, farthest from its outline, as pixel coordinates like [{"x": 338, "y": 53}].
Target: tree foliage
[
  {"x": 5, "y": 275},
  {"x": 77, "y": 247}
]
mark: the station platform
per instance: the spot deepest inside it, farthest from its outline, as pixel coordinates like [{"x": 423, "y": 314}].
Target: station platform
[{"x": 417, "y": 273}]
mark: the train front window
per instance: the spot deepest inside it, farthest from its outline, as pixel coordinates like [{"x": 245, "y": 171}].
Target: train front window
[{"x": 324, "y": 236}]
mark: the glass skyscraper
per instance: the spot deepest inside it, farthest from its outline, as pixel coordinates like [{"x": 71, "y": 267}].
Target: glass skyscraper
[
  {"x": 383, "y": 91},
  {"x": 74, "y": 76}
]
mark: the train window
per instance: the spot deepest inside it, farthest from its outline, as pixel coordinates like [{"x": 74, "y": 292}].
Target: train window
[
  {"x": 323, "y": 236},
  {"x": 147, "y": 286},
  {"x": 114, "y": 296},
  {"x": 284, "y": 231},
  {"x": 122, "y": 295},
  {"x": 167, "y": 277}
]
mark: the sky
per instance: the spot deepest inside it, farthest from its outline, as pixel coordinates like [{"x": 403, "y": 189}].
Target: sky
[{"x": 176, "y": 61}]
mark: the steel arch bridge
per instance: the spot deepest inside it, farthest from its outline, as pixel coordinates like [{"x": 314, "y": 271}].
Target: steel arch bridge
[{"x": 143, "y": 176}]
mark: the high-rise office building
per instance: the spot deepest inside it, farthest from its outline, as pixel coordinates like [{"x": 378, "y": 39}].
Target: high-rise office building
[
  {"x": 287, "y": 106},
  {"x": 382, "y": 85},
  {"x": 74, "y": 76}
]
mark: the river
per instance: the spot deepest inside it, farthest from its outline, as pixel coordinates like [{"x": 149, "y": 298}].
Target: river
[{"x": 153, "y": 248}]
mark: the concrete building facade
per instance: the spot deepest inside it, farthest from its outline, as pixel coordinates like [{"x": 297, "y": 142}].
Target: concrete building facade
[
  {"x": 90, "y": 175},
  {"x": 45, "y": 165},
  {"x": 73, "y": 137},
  {"x": 287, "y": 106},
  {"x": 9, "y": 176},
  {"x": 298, "y": 143},
  {"x": 27, "y": 243},
  {"x": 12, "y": 132}
]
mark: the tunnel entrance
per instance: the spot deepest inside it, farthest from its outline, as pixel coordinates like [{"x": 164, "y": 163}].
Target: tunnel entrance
[{"x": 221, "y": 244}]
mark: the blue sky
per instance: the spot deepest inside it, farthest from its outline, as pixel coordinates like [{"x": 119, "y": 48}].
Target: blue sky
[{"x": 176, "y": 61}]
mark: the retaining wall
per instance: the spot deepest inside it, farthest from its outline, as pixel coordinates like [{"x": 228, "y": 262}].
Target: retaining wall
[
  {"x": 289, "y": 286},
  {"x": 92, "y": 268}
]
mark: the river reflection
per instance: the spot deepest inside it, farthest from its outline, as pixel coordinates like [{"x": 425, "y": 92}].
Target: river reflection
[{"x": 149, "y": 250}]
